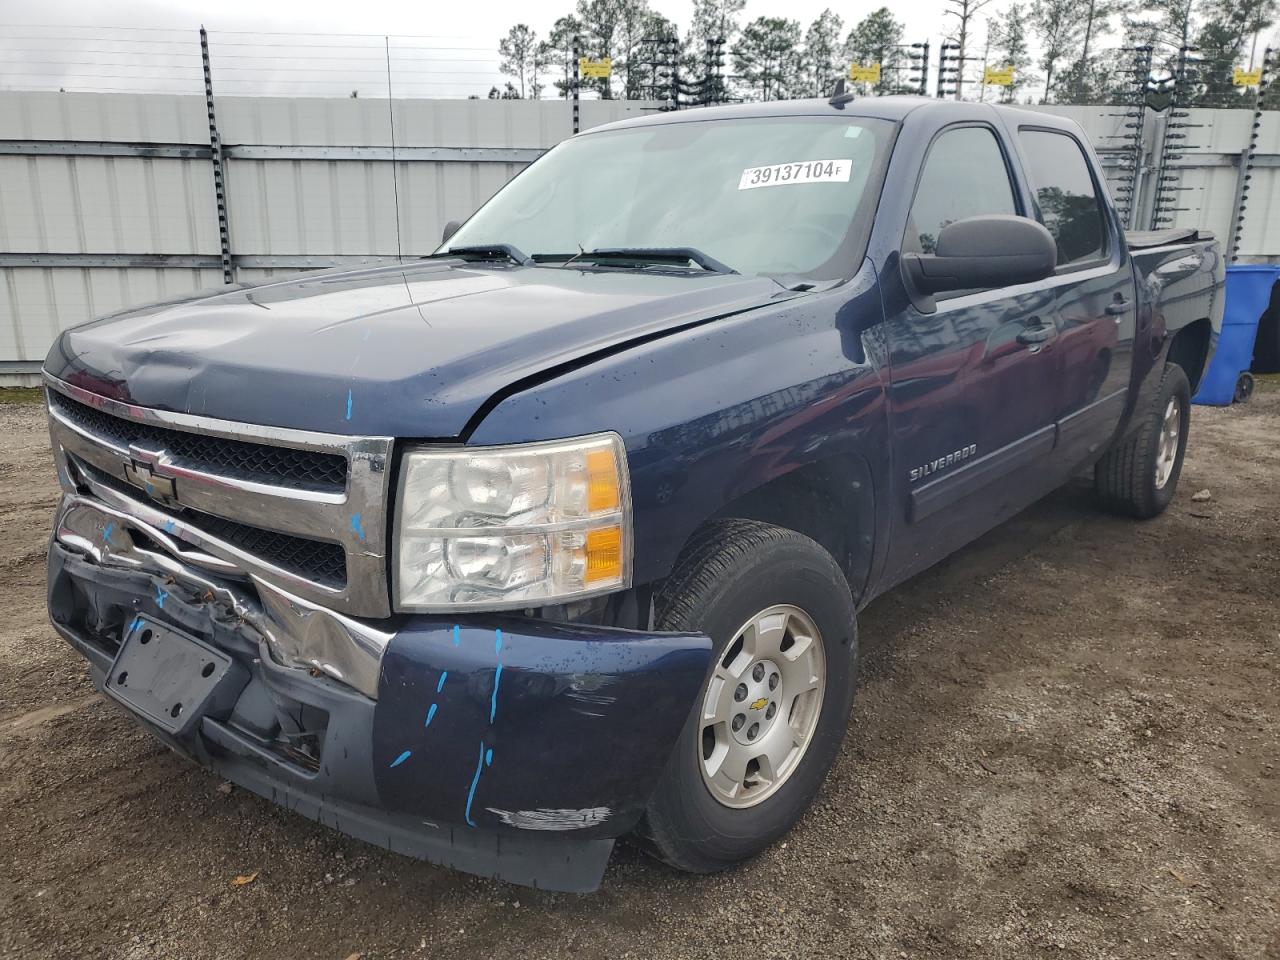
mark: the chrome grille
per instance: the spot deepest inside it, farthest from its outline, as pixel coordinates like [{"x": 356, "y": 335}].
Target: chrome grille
[
  {"x": 304, "y": 511},
  {"x": 303, "y": 469},
  {"x": 325, "y": 563},
  {"x": 317, "y": 560}
]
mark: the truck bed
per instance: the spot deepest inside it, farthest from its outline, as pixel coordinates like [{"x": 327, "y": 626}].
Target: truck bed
[
  {"x": 1182, "y": 273},
  {"x": 1147, "y": 239}
]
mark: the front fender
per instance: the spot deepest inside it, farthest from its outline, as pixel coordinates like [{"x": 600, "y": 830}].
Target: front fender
[{"x": 711, "y": 413}]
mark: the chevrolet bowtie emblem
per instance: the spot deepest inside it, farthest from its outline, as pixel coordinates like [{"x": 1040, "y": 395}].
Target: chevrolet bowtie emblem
[{"x": 155, "y": 486}]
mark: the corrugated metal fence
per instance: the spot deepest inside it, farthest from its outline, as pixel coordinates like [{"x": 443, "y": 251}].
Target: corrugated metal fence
[{"x": 108, "y": 200}]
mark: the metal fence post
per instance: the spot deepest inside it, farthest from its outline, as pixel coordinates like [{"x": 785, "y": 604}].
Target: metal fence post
[
  {"x": 1245, "y": 172},
  {"x": 577, "y": 80},
  {"x": 215, "y": 153}
]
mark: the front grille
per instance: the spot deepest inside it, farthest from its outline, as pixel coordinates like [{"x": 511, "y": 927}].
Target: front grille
[
  {"x": 241, "y": 459},
  {"x": 319, "y": 561}
]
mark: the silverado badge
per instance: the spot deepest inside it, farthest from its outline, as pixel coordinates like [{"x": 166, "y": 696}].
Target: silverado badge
[{"x": 951, "y": 459}]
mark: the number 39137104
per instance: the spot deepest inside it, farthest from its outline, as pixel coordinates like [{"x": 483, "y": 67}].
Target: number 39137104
[{"x": 804, "y": 171}]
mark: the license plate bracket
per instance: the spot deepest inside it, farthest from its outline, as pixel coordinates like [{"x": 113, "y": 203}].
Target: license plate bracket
[{"x": 171, "y": 678}]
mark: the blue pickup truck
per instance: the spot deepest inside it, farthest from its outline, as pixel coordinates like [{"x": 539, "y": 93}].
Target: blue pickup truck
[{"x": 559, "y": 534}]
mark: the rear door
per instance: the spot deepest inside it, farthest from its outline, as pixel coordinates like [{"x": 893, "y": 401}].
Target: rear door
[{"x": 1096, "y": 300}]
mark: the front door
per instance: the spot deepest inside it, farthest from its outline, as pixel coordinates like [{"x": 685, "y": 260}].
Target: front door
[{"x": 972, "y": 396}]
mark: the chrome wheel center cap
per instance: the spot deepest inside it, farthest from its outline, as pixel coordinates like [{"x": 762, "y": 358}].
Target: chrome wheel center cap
[{"x": 756, "y": 702}]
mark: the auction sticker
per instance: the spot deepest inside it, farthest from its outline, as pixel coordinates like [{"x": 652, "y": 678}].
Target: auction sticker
[{"x": 806, "y": 171}]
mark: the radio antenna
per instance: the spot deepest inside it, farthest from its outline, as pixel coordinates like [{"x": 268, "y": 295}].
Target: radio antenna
[{"x": 391, "y": 116}]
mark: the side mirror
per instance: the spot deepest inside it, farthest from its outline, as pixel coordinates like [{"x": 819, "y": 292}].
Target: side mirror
[
  {"x": 450, "y": 229},
  {"x": 980, "y": 253}
]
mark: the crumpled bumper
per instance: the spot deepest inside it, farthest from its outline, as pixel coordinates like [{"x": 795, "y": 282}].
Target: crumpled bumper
[{"x": 505, "y": 746}]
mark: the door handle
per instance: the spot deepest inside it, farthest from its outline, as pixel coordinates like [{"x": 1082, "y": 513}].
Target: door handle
[
  {"x": 1032, "y": 336},
  {"x": 1119, "y": 307}
]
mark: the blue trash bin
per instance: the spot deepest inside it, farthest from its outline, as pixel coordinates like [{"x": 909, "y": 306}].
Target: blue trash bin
[{"x": 1248, "y": 294}]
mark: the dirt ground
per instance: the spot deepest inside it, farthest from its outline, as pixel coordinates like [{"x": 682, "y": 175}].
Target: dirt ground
[{"x": 1065, "y": 745}]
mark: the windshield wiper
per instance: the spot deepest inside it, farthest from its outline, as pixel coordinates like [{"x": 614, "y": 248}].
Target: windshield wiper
[
  {"x": 486, "y": 253},
  {"x": 640, "y": 256}
]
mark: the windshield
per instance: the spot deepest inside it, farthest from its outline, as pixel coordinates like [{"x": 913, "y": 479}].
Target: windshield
[{"x": 774, "y": 196}]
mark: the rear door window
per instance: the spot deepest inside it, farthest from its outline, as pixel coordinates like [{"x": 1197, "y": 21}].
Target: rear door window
[{"x": 1066, "y": 195}]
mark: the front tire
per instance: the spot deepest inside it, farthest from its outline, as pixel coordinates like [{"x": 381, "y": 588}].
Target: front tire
[
  {"x": 773, "y": 710},
  {"x": 1139, "y": 474}
]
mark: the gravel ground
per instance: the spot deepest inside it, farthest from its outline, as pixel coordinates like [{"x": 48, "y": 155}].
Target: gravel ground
[{"x": 1065, "y": 745}]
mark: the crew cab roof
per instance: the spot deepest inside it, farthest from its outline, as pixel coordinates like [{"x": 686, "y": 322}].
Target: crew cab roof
[{"x": 893, "y": 108}]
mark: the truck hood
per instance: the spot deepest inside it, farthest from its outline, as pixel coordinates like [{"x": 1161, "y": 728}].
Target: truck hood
[{"x": 410, "y": 350}]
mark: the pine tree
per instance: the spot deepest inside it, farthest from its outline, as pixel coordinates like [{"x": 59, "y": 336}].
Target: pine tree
[
  {"x": 555, "y": 54},
  {"x": 1010, "y": 48},
  {"x": 877, "y": 38},
  {"x": 823, "y": 54},
  {"x": 1060, "y": 28},
  {"x": 767, "y": 57},
  {"x": 1226, "y": 41},
  {"x": 518, "y": 50},
  {"x": 1082, "y": 82}
]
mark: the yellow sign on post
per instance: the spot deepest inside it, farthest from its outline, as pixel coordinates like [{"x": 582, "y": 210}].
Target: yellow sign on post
[
  {"x": 595, "y": 68},
  {"x": 998, "y": 76},
  {"x": 1246, "y": 78},
  {"x": 861, "y": 74}
]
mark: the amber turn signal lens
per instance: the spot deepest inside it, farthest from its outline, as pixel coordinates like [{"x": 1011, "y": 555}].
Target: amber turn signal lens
[
  {"x": 603, "y": 491},
  {"x": 604, "y": 554}
]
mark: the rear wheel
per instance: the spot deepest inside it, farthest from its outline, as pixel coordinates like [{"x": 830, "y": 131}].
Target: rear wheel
[
  {"x": 1244, "y": 388},
  {"x": 1139, "y": 474},
  {"x": 774, "y": 707}
]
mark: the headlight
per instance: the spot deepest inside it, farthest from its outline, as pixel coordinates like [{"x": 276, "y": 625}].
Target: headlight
[{"x": 487, "y": 528}]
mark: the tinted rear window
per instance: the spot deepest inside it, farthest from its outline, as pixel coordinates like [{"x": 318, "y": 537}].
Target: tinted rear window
[{"x": 1065, "y": 194}]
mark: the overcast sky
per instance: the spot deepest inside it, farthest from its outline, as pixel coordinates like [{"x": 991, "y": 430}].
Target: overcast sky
[
  {"x": 388, "y": 16},
  {"x": 451, "y": 32}
]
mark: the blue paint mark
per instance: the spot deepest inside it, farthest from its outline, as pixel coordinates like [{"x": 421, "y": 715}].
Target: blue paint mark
[
  {"x": 160, "y": 597},
  {"x": 348, "y": 404},
  {"x": 481, "y": 762},
  {"x": 457, "y": 634},
  {"x": 168, "y": 526},
  {"x": 133, "y": 625},
  {"x": 402, "y": 758},
  {"x": 493, "y": 703},
  {"x": 497, "y": 674},
  {"x": 440, "y": 685},
  {"x": 430, "y": 714},
  {"x": 355, "y": 523},
  {"x": 106, "y": 532},
  {"x": 150, "y": 488}
]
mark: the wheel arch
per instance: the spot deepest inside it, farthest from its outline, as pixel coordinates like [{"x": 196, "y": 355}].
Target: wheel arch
[
  {"x": 1189, "y": 349},
  {"x": 831, "y": 501}
]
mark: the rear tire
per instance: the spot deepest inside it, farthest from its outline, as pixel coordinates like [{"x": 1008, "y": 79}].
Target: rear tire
[
  {"x": 760, "y": 592},
  {"x": 1138, "y": 475}
]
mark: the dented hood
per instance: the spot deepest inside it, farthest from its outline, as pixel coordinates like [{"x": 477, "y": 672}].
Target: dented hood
[{"x": 410, "y": 351}]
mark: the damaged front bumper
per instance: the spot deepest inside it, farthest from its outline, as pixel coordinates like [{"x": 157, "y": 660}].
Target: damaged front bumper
[{"x": 504, "y": 746}]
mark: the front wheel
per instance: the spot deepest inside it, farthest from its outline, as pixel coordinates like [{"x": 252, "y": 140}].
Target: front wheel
[{"x": 774, "y": 707}]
